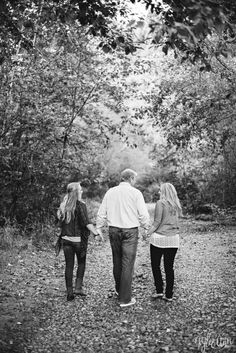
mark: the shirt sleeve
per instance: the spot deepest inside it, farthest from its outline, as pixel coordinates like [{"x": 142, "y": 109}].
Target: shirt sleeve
[
  {"x": 158, "y": 213},
  {"x": 102, "y": 213},
  {"x": 143, "y": 213},
  {"x": 83, "y": 214}
]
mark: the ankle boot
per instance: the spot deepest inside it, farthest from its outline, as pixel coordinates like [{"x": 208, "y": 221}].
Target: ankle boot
[
  {"x": 70, "y": 294},
  {"x": 79, "y": 287}
]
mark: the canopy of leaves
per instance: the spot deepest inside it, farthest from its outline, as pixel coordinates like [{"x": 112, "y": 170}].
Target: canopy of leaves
[
  {"x": 51, "y": 127},
  {"x": 21, "y": 22},
  {"x": 66, "y": 87},
  {"x": 196, "y": 112},
  {"x": 180, "y": 25},
  {"x": 184, "y": 25}
]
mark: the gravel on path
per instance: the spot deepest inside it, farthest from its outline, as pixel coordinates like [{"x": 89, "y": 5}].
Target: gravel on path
[{"x": 35, "y": 316}]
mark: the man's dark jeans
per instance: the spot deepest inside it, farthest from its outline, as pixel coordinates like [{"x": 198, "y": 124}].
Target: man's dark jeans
[
  {"x": 169, "y": 257},
  {"x": 70, "y": 250},
  {"x": 124, "y": 243}
]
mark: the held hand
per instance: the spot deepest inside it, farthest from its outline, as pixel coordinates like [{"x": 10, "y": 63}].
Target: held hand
[
  {"x": 145, "y": 235},
  {"x": 99, "y": 235}
]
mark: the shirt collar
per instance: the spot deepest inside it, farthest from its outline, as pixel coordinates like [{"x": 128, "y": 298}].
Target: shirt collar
[{"x": 125, "y": 183}]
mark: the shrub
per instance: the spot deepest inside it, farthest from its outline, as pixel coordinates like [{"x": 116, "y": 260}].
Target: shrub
[{"x": 9, "y": 235}]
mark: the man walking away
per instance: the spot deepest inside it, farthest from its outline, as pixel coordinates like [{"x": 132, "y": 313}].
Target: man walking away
[{"x": 123, "y": 208}]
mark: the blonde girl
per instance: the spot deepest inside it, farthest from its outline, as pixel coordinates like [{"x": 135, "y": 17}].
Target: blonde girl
[
  {"x": 164, "y": 239},
  {"x": 75, "y": 229}
]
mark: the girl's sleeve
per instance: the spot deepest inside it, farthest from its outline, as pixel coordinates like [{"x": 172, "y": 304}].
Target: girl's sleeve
[
  {"x": 157, "y": 215},
  {"x": 83, "y": 215},
  {"x": 58, "y": 218}
]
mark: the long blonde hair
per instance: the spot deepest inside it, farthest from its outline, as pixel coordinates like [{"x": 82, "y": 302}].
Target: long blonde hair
[
  {"x": 68, "y": 205},
  {"x": 169, "y": 196}
]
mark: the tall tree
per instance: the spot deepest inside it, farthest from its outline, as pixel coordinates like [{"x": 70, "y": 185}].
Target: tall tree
[
  {"x": 52, "y": 127},
  {"x": 195, "y": 110}
]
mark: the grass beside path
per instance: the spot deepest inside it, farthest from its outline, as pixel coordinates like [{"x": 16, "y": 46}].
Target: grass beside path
[{"x": 35, "y": 316}]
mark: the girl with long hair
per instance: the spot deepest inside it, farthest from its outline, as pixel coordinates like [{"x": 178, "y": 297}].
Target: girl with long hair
[
  {"x": 164, "y": 239},
  {"x": 75, "y": 229}
]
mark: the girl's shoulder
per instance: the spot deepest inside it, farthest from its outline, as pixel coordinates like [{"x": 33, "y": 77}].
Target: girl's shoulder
[
  {"x": 81, "y": 202},
  {"x": 80, "y": 205},
  {"x": 159, "y": 206},
  {"x": 164, "y": 204},
  {"x": 161, "y": 203}
]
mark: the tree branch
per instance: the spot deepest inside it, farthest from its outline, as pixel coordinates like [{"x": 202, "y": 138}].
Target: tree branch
[{"x": 74, "y": 115}]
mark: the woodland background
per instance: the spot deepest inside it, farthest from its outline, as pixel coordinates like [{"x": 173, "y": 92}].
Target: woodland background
[{"x": 88, "y": 88}]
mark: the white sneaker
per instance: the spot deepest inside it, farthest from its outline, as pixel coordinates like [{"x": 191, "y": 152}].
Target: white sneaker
[
  {"x": 168, "y": 299},
  {"x": 157, "y": 295},
  {"x": 132, "y": 302}
]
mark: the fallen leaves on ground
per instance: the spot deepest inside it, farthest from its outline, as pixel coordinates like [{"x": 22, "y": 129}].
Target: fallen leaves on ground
[{"x": 35, "y": 316}]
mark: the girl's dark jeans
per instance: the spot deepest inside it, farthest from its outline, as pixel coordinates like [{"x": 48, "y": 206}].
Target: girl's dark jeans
[
  {"x": 70, "y": 250},
  {"x": 169, "y": 257}
]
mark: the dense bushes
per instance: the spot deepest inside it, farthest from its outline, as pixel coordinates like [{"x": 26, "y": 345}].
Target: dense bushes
[{"x": 63, "y": 100}]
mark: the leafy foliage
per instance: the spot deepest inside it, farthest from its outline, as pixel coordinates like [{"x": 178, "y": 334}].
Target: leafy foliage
[
  {"x": 195, "y": 111},
  {"x": 180, "y": 25},
  {"x": 69, "y": 95},
  {"x": 52, "y": 129},
  {"x": 22, "y": 21},
  {"x": 185, "y": 25}
]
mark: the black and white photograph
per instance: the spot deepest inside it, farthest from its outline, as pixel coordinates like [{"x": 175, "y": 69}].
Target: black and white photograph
[{"x": 117, "y": 176}]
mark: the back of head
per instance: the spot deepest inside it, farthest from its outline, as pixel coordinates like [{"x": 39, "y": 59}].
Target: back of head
[
  {"x": 68, "y": 205},
  {"x": 127, "y": 174},
  {"x": 73, "y": 187},
  {"x": 169, "y": 195}
]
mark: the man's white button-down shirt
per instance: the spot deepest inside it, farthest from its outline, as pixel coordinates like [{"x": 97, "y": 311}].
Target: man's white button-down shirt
[{"x": 123, "y": 206}]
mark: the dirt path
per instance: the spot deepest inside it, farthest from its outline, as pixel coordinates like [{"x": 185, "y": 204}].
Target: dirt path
[{"x": 35, "y": 316}]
